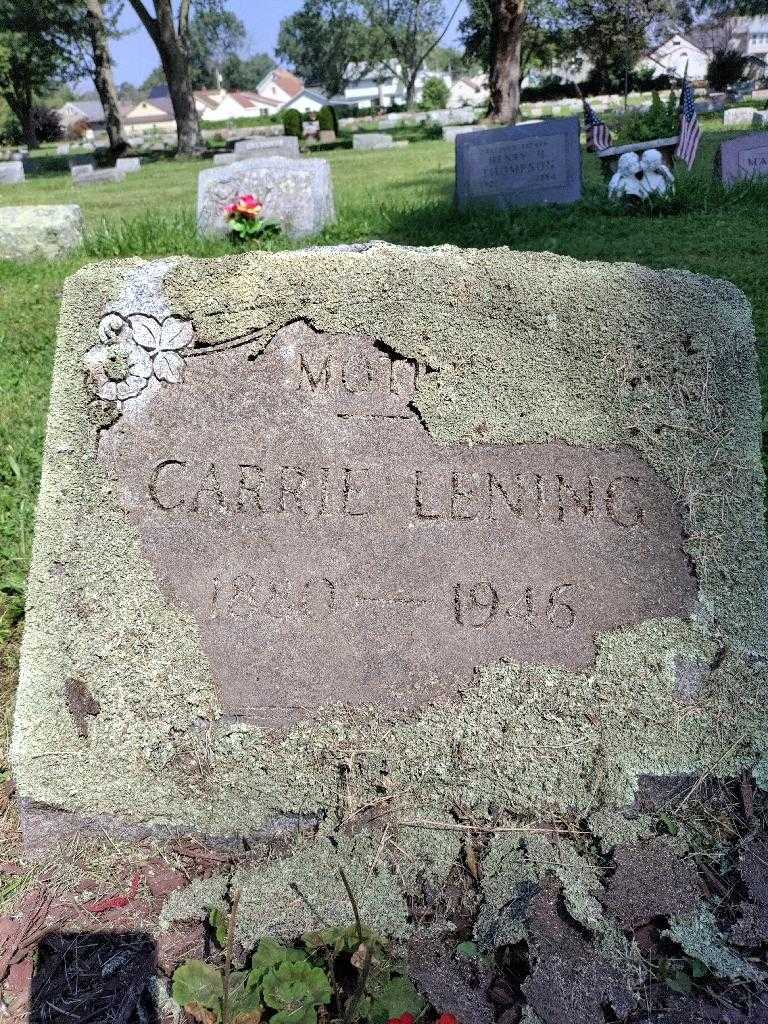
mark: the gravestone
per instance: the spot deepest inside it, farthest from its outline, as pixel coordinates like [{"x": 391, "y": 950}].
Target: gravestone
[
  {"x": 129, "y": 164},
  {"x": 105, "y": 176},
  {"x": 520, "y": 165},
  {"x": 372, "y": 140},
  {"x": 62, "y": 149},
  {"x": 341, "y": 544},
  {"x": 743, "y": 158},
  {"x": 261, "y": 153},
  {"x": 297, "y": 193},
  {"x": 738, "y": 117},
  {"x": 79, "y": 168},
  {"x": 451, "y": 131},
  {"x": 34, "y": 232},
  {"x": 456, "y": 116},
  {"x": 12, "y": 172},
  {"x": 286, "y": 145},
  {"x": 327, "y": 136}
]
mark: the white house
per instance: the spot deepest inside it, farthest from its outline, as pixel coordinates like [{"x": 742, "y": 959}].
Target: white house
[
  {"x": 280, "y": 85},
  {"x": 674, "y": 55},
  {"x": 382, "y": 85},
  {"x": 217, "y": 105},
  {"x": 469, "y": 92},
  {"x": 751, "y": 35},
  {"x": 306, "y": 101}
]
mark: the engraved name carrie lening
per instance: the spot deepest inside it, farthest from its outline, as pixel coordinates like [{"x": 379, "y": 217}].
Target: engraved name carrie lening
[{"x": 332, "y": 551}]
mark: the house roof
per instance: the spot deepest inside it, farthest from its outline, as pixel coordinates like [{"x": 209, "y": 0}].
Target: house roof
[
  {"x": 161, "y": 103},
  {"x": 314, "y": 94},
  {"x": 91, "y": 110},
  {"x": 157, "y": 92},
  {"x": 286, "y": 81}
]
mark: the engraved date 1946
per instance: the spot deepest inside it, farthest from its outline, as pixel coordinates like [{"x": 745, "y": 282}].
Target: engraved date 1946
[{"x": 471, "y": 604}]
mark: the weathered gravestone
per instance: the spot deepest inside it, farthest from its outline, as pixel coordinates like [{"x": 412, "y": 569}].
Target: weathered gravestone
[
  {"x": 11, "y": 172},
  {"x": 332, "y": 543},
  {"x": 80, "y": 168},
  {"x": 372, "y": 140},
  {"x": 260, "y": 153},
  {"x": 450, "y": 132},
  {"x": 297, "y": 193},
  {"x": 738, "y": 116},
  {"x": 129, "y": 164},
  {"x": 39, "y": 231},
  {"x": 98, "y": 177},
  {"x": 520, "y": 165},
  {"x": 743, "y": 158},
  {"x": 286, "y": 145}
]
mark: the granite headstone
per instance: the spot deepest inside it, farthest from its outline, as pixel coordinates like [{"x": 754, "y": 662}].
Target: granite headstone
[
  {"x": 520, "y": 165},
  {"x": 11, "y": 172},
  {"x": 285, "y": 145},
  {"x": 297, "y": 193},
  {"x": 743, "y": 158},
  {"x": 372, "y": 140}
]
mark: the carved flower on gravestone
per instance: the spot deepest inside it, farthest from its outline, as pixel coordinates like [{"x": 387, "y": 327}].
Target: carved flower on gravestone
[{"x": 134, "y": 348}]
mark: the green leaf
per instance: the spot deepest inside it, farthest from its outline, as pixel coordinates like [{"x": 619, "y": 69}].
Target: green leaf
[
  {"x": 679, "y": 982},
  {"x": 244, "y": 999},
  {"x": 291, "y": 985},
  {"x": 468, "y": 949},
  {"x": 302, "y": 1015},
  {"x": 271, "y": 954},
  {"x": 397, "y": 996},
  {"x": 220, "y": 924},
  {"x": 669, "y": 824},
  {"x": 698, "y": 969},
  {"x": 196, "y": 982}
]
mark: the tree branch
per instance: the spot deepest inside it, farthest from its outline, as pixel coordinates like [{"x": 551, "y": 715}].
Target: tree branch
[
  {"x": 183, "y": 19},
  {"x": 149, "y": 23},
  {"x": 442, "y": 34}
]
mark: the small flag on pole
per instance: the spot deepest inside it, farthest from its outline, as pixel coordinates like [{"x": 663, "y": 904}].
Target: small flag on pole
[
  {"x": 598, "y": 134},
  {"x": 690, "y": 132}
]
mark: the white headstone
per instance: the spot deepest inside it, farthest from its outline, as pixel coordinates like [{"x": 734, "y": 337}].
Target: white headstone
[{"x": 12, "y": 172}]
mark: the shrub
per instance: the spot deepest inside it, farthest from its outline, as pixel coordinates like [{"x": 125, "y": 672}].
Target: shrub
[
  {"x": 292, "y": 123},
  {"x": 660, "y": 122},
  {"x": 435, "y": 94},
  {"x": 727, "y": 67},
  {"x": 326, "y": 119},
  {"x": 47, "y": 127}
]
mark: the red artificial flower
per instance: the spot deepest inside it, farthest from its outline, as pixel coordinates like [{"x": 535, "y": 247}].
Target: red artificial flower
[
  {"x": 247, "y": 207},
  {"x": 404, "y": 1018},
  {"x": 447, "y": 1018}
]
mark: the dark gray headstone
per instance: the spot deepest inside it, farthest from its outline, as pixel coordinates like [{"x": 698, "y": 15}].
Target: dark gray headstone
[
  {"x": 519, "y": 166},
  {"x": 744, "y": 158}
]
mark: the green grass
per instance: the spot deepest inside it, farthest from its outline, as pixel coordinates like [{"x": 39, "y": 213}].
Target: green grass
[{"x": 402, "y": 195}]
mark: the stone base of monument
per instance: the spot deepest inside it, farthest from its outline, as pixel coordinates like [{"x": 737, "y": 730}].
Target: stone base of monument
[
  {"x": 412, "y": 558},
  {"x": 32, "y": 232},
  {"x": 297, "y": 193}
]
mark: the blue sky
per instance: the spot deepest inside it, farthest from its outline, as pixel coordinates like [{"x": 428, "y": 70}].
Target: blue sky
[{"x": 135, "y": 56}]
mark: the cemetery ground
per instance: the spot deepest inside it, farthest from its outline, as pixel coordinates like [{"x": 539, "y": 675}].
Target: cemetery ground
[{"x": 403, "y": 196}]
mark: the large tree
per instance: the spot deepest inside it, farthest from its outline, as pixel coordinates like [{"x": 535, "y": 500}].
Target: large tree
[
  {"x": 245, "y": 72},
  {"x": 322, "y": 38},
  {"x": 170, "y": 33},
  {"x": 40, "y": 41},
  {"x": 214, "y": 36},
  {"x": 103, "y": 76}
]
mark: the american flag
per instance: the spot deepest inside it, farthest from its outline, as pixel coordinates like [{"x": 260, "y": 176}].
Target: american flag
[
  {"x": 690, "y": 132},
  {"x": 598, "y": 135}
]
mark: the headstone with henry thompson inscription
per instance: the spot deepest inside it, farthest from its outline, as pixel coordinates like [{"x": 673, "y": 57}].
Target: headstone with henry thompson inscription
[
  {"x": 743, "y": 159},
  {"x": 371, "y": 531},
  {"x": 521, "y": 165}
]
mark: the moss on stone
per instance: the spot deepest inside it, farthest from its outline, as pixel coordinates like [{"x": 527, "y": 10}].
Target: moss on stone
[{"x": 534, "y": 347}]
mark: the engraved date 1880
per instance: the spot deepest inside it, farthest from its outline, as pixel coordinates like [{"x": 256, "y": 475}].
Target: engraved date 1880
[{"x": 471, "y": 604}]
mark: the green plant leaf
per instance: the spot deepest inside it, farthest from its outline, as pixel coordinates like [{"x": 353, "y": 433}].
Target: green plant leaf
[
  {"x": 468, "y": 949},
  {"x": 196, "y": 982},
  {"x": 396, "y": 997},
  {"x": 271, "y": 954},
  {"x": 291, "y": 985},
  {"x": 244, "y": 999},
  {"x": 303, "y": 1015},
  {"x": 220, "y": 925}
]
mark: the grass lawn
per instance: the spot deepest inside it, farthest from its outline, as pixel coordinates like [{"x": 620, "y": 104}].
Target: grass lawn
[{"x": 402, "y": 195}]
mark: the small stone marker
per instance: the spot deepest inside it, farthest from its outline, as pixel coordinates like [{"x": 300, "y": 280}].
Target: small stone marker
[
  {"x": 298, "y": 193},
  {"x": 327, "y": 136},
  {"x": 520, "y": 165},
  {"x": 450, "y": 132},
  {"x": 286, "y": 145},
  {"x": 372, "y": 140},
  {"x": 434, "y": 513},
  {"x": 743, "y": 158},
  {"x": 39, "y": 231},
  {"x": 129, "y": 164},
  {"x": 738, "y": 117},
  {"x": 106, "y": 175},
  {"x": 12, "y": 172},
  {"x": 78, "y": 170}
]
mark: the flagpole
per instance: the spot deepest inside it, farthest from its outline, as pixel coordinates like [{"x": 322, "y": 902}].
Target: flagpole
[{"x": 626, "y": 56}]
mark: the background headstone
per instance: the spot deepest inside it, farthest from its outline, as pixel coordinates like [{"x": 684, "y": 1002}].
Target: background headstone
[
  {"x": 129, "y": 164},
  {"x": 520, "y": 165},
  {"x": 743, "y": 158},
  {"x": 265, "y": 551},
  {"x": 738, "y": 116},
  {"x": 103, "y": 176},
  {"x": 451, "y": 131},
  {"x": 286, "y": 145},
  {"x": 372, "y": 140},
  {"x": 12, "y": 172},
  {"x": 62, "y": 149},
  {"x": 327, "y": 136},
  {"x": 28, "y": 232},
  {"x": 298, "y": 193}
]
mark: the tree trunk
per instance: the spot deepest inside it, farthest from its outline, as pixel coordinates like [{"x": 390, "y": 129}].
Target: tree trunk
[
  {"x": 507, "y": 21},
  {"x": 172, "y": 48},
  {"x": 410, "y": 90},
  {"x": 22, "y": 109},
  {"x": 103, "y": 78}
]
